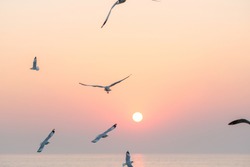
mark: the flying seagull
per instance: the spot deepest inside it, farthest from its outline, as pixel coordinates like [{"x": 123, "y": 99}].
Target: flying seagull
[
  {"x": 104, "y": 134},
  {"x": 35, "y": 67},
  {"x": 46, "y": 141},
  {"x": 117, "y": 2},
  {"x": 106, "y": 88},
  {"x": 128, "y": 162},
  {"x": 239, "y": 121}
]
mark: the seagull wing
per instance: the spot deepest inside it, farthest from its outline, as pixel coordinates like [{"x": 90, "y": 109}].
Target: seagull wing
[
  {"x": 46, "y": 140},
  {"x": 109, "y": 13},
  {"x": 127, "y": 157},
  {"x": 239, "y": 121},
  {"x": 110, "y": 129},
  {"x": 119, "y": 81},
  {"x": 128, "y": 162},
  {"x": 49, "y": 136},
  {"x": 103, "y": 134},
  {"x": 99, "y": 86},
  {"x": 41, "y": 148},
  {"x": 34, "y": 63},
  {"x": 97, "y": 138}
]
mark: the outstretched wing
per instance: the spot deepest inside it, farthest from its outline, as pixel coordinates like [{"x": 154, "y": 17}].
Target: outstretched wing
[
  {"x": 46, "y": 141},
  {"x": 127, "y": 157},
  {"x": 40, "y": 148},
  {"x": 110, "y": 129},
  {"x": 128, "y": 162},
  {"x": 103, "y": 134},
  {"x": 34, "y": 63},
  {"x": 99, "y": 86},
  {"x": 119, "y": 81},
  {"x": 97, "y": 139},
  {"x": 50, "y": 135},
  {"x": 239, "y": 121},
  {"x": 109, "y": 13}
]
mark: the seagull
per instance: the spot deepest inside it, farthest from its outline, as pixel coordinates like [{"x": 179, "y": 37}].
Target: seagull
[
  {"x": 239, "y": 121},
  {"x": 35, "y": 67},
  {"x": 117, "y": 2},
  {"x": 104, "y": 134},
  {"x": 128, "y": 162},
  {"x": 106, "y": 88},
  {"x": 46, "y": 141}
]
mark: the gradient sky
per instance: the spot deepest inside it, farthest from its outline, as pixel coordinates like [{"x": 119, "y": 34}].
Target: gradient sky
[{"x": 190, "y": 66}]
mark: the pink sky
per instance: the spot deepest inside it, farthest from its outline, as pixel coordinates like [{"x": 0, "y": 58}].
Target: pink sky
[{"x": 190, "y": 69}]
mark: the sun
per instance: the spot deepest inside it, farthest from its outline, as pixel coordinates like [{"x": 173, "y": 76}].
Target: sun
[{"x": 137, "y": 117}]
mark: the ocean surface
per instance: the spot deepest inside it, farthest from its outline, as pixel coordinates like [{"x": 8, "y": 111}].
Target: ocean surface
[{"x": 116, "y": 160}]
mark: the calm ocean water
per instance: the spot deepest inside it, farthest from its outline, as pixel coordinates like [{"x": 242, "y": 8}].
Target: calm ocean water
[{"x": 116, "y": 160}]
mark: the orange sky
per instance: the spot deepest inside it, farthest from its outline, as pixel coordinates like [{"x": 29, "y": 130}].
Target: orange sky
[{"x": 190, "y": 69}]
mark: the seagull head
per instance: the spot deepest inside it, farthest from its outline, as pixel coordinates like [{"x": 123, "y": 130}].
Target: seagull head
[{"x": 107, "y": 89}]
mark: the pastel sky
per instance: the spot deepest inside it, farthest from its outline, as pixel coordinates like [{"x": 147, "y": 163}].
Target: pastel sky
[{"x": 190, "y": 66}]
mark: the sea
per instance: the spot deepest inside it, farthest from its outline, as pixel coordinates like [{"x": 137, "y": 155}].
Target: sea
[{"x": 116, "y": 160}]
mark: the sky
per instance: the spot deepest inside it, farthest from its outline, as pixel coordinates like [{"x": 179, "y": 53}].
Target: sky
[{"x": 190, "y": 66}]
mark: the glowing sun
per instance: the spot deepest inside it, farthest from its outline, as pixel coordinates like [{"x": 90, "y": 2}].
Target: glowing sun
[{"x": 137, "y": 117}]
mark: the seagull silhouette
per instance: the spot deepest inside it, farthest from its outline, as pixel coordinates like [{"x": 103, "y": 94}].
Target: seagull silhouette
[
  {"x": 117, "y": 2},
  {"x": 46, "y": 141},
  {"x": 127, "y": 159},
  {"x": 106, "y": 88},
  {"x": 35, "y": 67},
  {"x": 237, "y": 121},
  {"x": 104, "y": 134}
]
